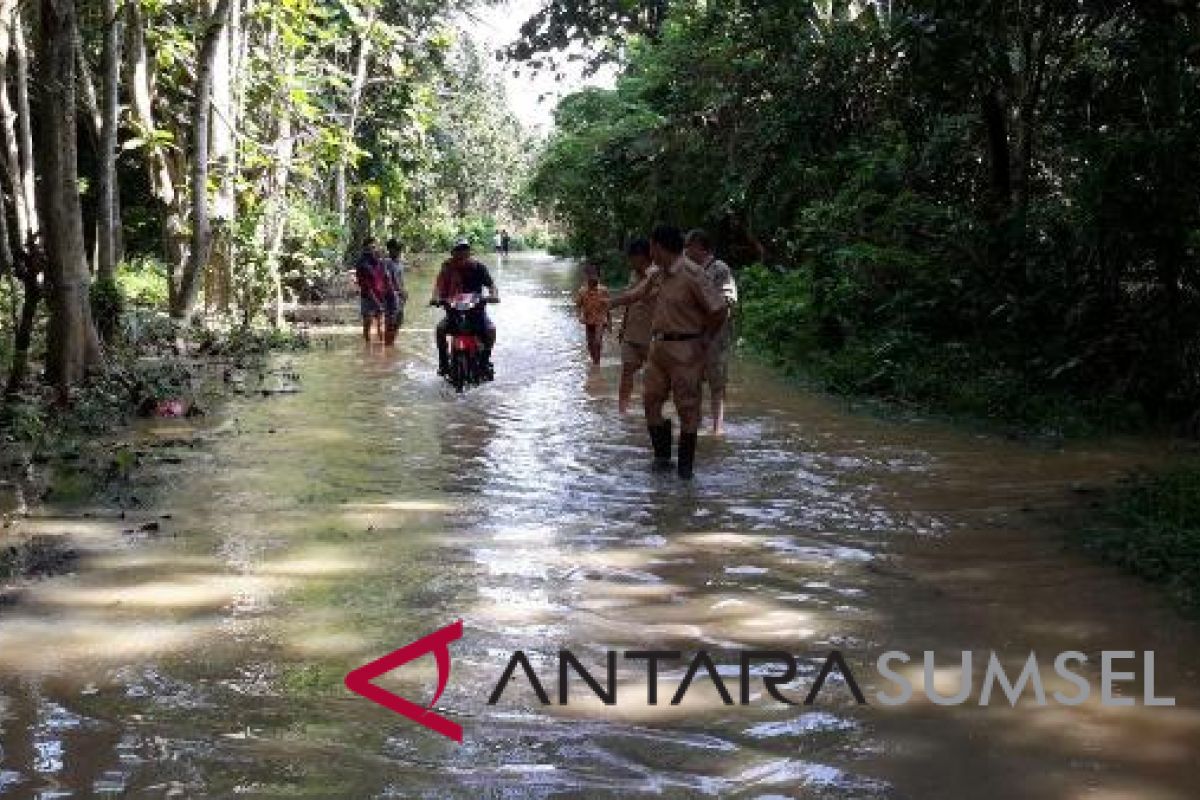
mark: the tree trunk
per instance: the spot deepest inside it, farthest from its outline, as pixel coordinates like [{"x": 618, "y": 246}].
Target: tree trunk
[
  {"x": 24, "y": 128},
  {"x": 995, "y": 121},
  {"x": 29, "y": 272},
  {"x": 284, "y": 148},
  {"x": 72, "y": 344},
  {"x": 165, "y": 177},
  {"x": 224, "y": 159},
  {"x": 189, "y": 285},
  {"x": 106, "y": 268},
  {"x": 89, "y": 98},
  {"x": 8, "y": 122},
  {"x": 362, "y": 69}
]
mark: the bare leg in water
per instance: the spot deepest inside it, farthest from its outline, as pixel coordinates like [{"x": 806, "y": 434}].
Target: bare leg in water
[
  {"x": 595, "y": 342},
  {"x": 718, "y": 411}
]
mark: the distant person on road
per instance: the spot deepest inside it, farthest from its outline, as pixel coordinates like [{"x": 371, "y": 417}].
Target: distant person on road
[
  {"x": 716, "y": 370},
  {"x": 591, "y": 301},
  {"x": 498, "y": 242},
  {"x": 396, "y": 296},
  {"x": 688, "y": 313},
  {"x": 373, "y": 284},
  {"x": 505, "y": 241},
  {"x": 636, "y": 326},
  {"x": 462, "y": 274}
]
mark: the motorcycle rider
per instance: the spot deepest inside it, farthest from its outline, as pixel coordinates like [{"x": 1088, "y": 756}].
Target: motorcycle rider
[{"x": 462, "y": 274}]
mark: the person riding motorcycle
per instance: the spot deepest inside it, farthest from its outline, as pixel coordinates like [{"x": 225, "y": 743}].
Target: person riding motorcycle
[{"x": 461, "y": 274}]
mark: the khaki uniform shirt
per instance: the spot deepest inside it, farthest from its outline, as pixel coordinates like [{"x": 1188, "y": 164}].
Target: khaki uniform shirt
[
  {"x": 638, "y": 324},
  {"x": 721, "y": 277},
  {"x": 686, "y": 299}
]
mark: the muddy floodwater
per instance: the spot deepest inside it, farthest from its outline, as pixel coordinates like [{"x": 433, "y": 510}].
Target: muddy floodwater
[{"x": 198, "y": 648}]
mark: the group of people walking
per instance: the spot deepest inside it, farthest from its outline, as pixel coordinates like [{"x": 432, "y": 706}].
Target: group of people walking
[
  {"x": 382, "y": 295},
  {"x": 677, "y": 327}
]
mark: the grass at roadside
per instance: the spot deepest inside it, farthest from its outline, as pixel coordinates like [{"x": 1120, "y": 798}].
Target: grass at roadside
[
  {"x": 965, "y": 379},
  {"x": 1152, "y": 528}
]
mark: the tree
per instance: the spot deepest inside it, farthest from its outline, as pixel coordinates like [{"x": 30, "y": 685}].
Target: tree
[
  {"x": 73, "y": 345},
  {"x": 214, "y": 25},
  {"x": 108, "y": 223},
  {"x": 979, "y": 202}
]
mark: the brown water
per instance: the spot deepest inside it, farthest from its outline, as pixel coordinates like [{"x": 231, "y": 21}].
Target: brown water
[{"x": 309, "y": 533}]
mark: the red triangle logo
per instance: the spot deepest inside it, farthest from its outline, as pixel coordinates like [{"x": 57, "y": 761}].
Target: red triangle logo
[{"x": 438, "y": 643}]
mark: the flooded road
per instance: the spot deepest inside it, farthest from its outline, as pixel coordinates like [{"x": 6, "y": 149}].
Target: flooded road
[{"x": 200, "y": 649}]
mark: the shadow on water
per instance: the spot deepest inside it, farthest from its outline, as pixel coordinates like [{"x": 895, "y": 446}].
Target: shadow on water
[{"x": 314, "y": 531}]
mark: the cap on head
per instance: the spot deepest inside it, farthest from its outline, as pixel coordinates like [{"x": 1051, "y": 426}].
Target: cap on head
[{"x": 461, "y": 246}]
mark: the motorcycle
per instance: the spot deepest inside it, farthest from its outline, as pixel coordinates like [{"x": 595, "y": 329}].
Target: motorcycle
[{"x": 467, "y": 365}]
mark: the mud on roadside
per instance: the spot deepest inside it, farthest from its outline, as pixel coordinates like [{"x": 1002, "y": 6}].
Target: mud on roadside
[{"x": 99, "y": 474}]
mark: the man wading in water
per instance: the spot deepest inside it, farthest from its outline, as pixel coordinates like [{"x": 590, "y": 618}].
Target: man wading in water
[
  {"x": 688, "y": 314},
  {"x": 637, "y": 325},
  {"x": 396, "y": 296},
  {"x": 716, "y": 370}
]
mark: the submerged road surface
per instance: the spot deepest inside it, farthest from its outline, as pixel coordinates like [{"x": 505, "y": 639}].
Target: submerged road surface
[{"x": 200, "y": 649}]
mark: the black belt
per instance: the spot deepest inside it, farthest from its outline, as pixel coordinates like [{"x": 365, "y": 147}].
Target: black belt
[{"x": 676, "y": 337}]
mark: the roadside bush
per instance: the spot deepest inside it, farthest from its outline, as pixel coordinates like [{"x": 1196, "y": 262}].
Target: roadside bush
[
  {"x": 142, "y": 281},
  {"x": 1153, "y": 530}
]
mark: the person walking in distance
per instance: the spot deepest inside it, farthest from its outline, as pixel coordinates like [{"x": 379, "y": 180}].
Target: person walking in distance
[
  {"x": 636, "y": 325},
  {"x": 688, "y": 313},
  {"x": 396, "y": 297},
  {"x": 372, "y": 282},
  {"x": 716, "y": 370}
]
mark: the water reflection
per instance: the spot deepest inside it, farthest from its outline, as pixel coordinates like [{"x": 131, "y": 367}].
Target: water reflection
[{"x": 310, "y": 532}]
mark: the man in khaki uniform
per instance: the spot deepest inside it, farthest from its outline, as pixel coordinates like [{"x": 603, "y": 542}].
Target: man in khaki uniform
[
  {"x": 716, "y": 372},
  {"x": 688, "y": 313},
  {"x": 637, "y": 326}
]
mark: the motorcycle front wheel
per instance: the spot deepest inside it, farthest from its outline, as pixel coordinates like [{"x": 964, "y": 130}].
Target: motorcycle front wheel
[{"x": 460, "y": 371}]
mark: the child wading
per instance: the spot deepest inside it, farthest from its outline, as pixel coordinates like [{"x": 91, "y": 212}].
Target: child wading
[{"x": 592, "y": 303}]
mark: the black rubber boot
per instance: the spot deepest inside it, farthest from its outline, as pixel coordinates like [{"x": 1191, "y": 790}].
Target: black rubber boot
[
  {"x": 660, "y": 437},
  {"x": 687, "y": 455}
]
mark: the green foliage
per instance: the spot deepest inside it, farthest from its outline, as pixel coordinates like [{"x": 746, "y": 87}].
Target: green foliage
[
  {"x": 1153, "y": 530},
  {"x": 23, "y": 421},
  {"x": 142, "y": 282},
  {"x": 107, "y": 307},
  {"x": 242, "y": 342},
  {"x": 949, "y": 225}
]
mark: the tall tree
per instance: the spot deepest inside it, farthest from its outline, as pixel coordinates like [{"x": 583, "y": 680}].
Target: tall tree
[
  {"x": 159, "y": 147},
  {"x": 214, "y": 24},
  {"x": 109, "y": 222},
  {"x": 73, "y": 345}
]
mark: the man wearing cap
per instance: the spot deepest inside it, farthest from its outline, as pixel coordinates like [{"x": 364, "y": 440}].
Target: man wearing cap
[
  {"x": 688, "y": 313},
  {"x": 462, "y": 274},
  {"x": 716, "y": 370}
]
